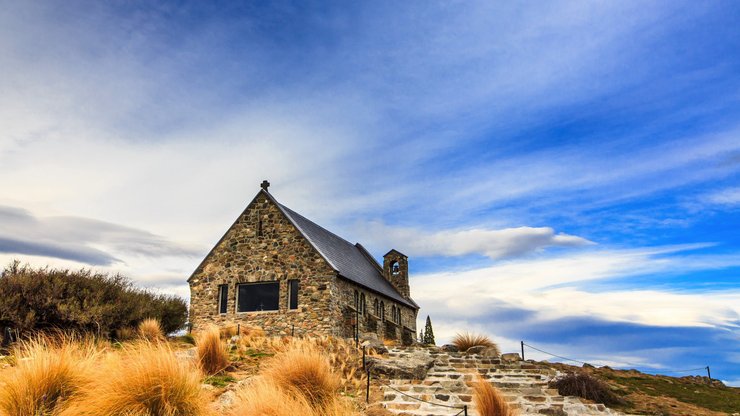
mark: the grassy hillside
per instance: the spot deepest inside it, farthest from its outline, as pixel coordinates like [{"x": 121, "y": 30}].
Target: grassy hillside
[{"x": 666, "y": 396}]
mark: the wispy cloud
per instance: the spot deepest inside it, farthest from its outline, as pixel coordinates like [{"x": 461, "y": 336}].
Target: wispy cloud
[
  {"x": 729, "y": 197},
  {"x": 495, "y": 244},
  {"x": 80, "y": 239},
  {"x": 560, "y": 287}
]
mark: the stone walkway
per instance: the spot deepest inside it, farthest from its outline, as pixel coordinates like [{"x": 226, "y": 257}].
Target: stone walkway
[{"x": 524, "y": 384}]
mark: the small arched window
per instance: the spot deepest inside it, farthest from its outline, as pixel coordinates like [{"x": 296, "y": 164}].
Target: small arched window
[
  {"x": 376, "y": 307},
  {"x": 382, "y": 311},
  {"x": 363, "y": 309},
  {"x": 395, "y": 268},
  {"x": 357, "y": 300}
]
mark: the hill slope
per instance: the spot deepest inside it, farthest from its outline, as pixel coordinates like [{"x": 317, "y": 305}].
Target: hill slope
[{"x": 663, "y": 395}]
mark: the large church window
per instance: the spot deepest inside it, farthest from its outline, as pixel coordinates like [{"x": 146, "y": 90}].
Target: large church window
[
  {"x": 253, "y": 297},
  {"x": 223, "y": 298}
]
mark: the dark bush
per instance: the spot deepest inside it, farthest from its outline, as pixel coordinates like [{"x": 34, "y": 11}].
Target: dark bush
[
  {"x": 586, "y": 386},
  {"x": 38, "y": 299}
]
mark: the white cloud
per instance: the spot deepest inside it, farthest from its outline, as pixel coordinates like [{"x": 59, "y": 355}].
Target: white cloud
[
  {"x": 729, "y": 196},
  {"x": 551, "y": 289},
  {"x": 496, "y": 244},
  {"x": 83, "y": 239}
]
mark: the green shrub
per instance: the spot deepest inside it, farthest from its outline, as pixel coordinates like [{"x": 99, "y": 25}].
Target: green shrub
[{"x": 44, "y": 298}]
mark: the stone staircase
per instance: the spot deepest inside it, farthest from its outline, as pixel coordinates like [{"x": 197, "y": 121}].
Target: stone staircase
[{"x": 447, "y": 383}]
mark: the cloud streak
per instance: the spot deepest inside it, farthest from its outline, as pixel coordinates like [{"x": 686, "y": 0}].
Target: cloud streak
[
  {"x": 561, "y": 287},
  {"x": 495, "y": 244},
  {"x": 80, "y": 239},
  {"x": 729, "y": 197}
]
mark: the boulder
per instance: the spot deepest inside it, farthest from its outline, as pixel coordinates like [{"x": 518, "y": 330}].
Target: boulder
[
  {"x": 413, "y": 366},
  {"x": 369, "y": 336},
  {"x": 375, "y": 345},
  {"x": 226, "y": 400},
  {"x": 483, "y": 351},
  {"x": 511, "y": 357},
  {"x": 449, "y": 348}
]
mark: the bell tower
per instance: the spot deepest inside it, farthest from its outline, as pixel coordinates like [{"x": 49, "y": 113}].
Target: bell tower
[{"x": 396, "y": 271}]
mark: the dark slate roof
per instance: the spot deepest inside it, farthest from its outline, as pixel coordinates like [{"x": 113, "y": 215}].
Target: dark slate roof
[{"x": 351, "y": 261}]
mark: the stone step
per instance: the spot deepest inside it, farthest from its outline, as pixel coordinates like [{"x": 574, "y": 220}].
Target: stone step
[{"x": 449, "y": 382}]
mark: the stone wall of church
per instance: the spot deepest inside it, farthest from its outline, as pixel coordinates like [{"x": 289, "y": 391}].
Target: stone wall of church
[
  {"x": 371, "y": 323},
  {"x": 263, "y": 246}
]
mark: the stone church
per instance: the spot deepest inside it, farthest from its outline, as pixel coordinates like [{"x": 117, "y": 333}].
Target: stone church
[{"x": 278, "y": 270}]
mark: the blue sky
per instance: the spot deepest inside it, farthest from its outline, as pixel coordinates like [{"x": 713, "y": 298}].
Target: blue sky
[{"x": 564, "y": 173}]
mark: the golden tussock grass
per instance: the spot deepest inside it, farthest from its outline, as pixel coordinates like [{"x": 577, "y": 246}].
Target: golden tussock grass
[
  {"x": 390, "y": 342},
  {"x": 464, "y": 341},
  {"x": 146, "y": 379},
  {"x": 489, "y": 401},
  {"x": 266, "y": 398},
  {"x": 306, "y": 371},
  {"x": 342, "y": 355},
  {"x": 212, "y": 353},
  {"x": 244, "y": 331},
  {"x": 150, "y": 330},
  {"x": 299, "y": 381},
  {"x": 126, "y": 334},
  {"x": 50, "y": 371}
]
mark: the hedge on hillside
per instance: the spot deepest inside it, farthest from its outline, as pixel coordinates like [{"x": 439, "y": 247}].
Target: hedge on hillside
[{"x": 45, "y": 298}]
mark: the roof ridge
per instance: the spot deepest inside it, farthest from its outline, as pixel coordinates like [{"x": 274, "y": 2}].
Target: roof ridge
[
  {"x": 314, "y": 223},
  {"x": 370, "y": 257},
  {"x": 303, "y": 232}
]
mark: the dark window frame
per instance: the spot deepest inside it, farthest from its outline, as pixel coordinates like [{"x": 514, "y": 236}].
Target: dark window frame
[
  {"x": 294, "y": 286},
  {"x": 223, "y": 299},
  {"x": 276, "y": 301}
]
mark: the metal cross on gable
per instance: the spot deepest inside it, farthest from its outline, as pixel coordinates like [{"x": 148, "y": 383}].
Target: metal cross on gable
[{"x": 265, "y": 184}]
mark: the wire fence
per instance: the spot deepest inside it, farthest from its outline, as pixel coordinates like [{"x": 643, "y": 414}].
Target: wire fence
[{"x": 705, "y": 368}]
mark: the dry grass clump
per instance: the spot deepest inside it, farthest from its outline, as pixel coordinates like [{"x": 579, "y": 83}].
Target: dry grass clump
[
  {"x": 489, "y": 401},
  {"x": 126, "y": 334},
  {"x": 390, "y": 343},
  {"x": 212, "y": 353},
  {"x": 266, "y": 398},
  {"x": 244, "y": 331},
  {"x": 586, "y": 386},
  {"x": 308, "y": 372},
  {"x": 343, "y": 356},
  {"x": 143, "y": 380},
  {"x": 298, "y": 381},
  {"x": 151, "y": 330},
  {"x": 464, "y": 341},
  {"x": 50, "y": 371}
]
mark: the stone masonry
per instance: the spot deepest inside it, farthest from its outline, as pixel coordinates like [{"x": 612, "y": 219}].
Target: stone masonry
[
  {"x": 264, "y": 245},
  {"x": 447, "y": 386}
]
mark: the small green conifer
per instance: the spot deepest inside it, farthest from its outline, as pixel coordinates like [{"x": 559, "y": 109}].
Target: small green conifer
[{"x": 428, "y": 333}]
